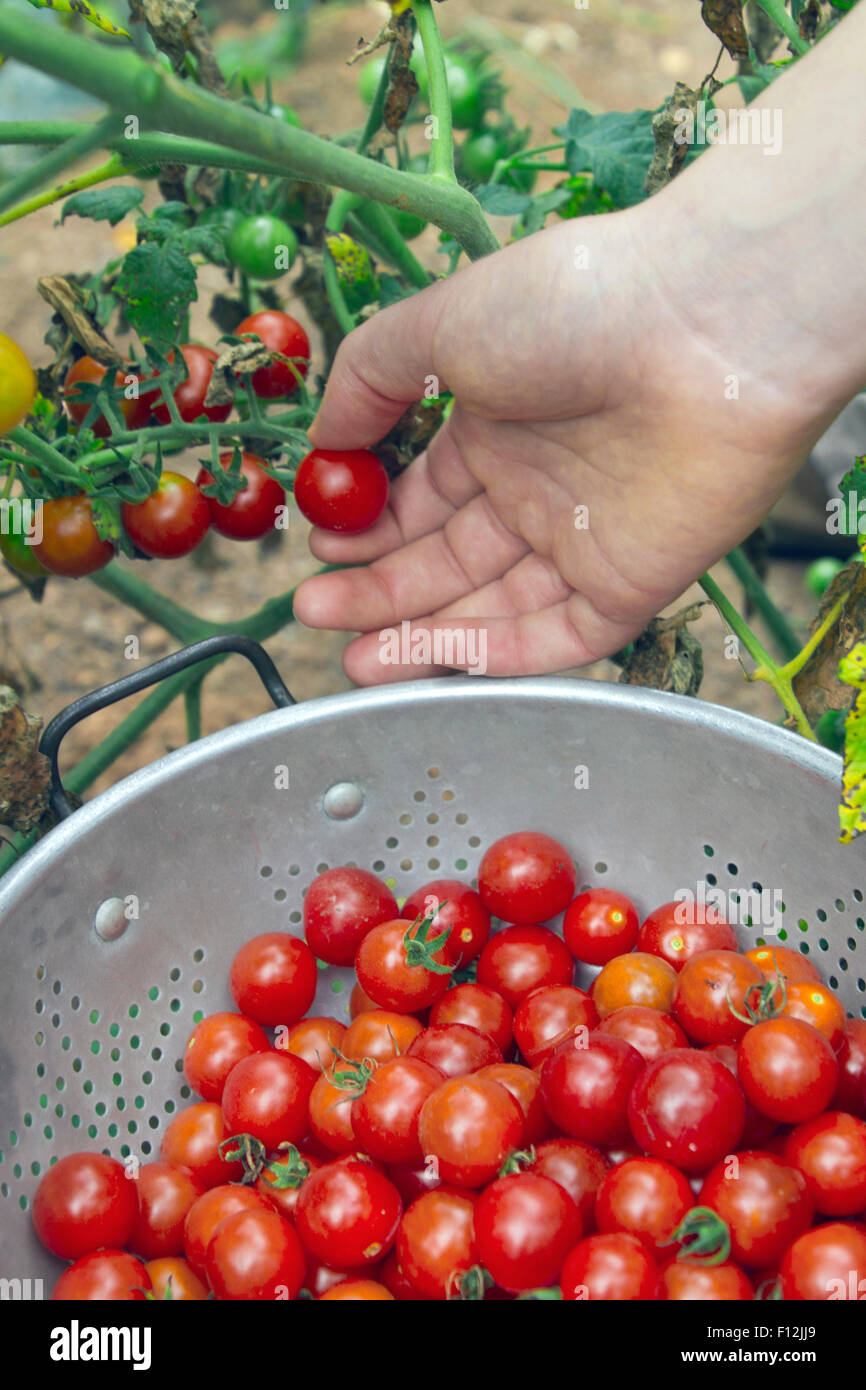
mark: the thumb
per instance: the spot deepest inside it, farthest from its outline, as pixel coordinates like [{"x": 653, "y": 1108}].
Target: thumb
[{"x": 379, "y": 370}]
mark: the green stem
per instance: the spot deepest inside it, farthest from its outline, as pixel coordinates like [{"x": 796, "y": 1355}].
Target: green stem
[
  {"x": 775, "y": 10},
  {"x": 136, "y": 593},
  {"x": 123, "y": 80},
  {"x": 192, "y": 710},
  {"x": 113, "y": 168},
  {"x": 90, "y": 138},
  {"x": 374, "y": 115},
  {"x": 788, "y": 643},
  {"x": 343, "y": 204},
  {"x": 440, "y": 128},
  {"x": 381, "y": 224},
  {"x": 795, "y": 665},
  {"x": 50, "y": 458}
]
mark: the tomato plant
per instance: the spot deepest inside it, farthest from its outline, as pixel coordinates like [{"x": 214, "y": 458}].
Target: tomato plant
[
  {"x": 189, "y": 395},
  {"x": 255, "y": 508},
  {"x": 284, "y": 336},
  {"x": 169, "y": 523}
]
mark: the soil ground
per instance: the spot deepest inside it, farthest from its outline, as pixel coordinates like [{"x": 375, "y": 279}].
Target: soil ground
[{"x": 611, "y": 55}]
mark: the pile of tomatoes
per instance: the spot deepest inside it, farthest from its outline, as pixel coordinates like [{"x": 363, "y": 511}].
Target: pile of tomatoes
[
  {"x": 344, "y": 490},
  {"x": 691, "y": 1126}
]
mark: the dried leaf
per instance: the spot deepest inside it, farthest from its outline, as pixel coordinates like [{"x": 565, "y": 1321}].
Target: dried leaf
[
  {"x": 670, "y": 154},
  {"x": 818, "y": 686},
  {"x": 25, "y": 775},
  {"x": 67, "y": 300},
  {"x": 724, "y": 18},
  {"x": 666, "y": 656},
  {"x": 411, "y": 434},
  {"x": 176, "y": 29}
]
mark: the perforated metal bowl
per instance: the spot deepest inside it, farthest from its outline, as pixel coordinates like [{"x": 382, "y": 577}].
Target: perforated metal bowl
[{"x": 209, "y": 846}]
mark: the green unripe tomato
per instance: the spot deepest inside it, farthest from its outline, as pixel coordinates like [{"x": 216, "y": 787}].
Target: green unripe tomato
[
  {"x": 369, "y": 78},
  {"x": 464, "y": 89},
  {"x": 408, "y": 225},
  {"x": 820, "y": 575},
  {"x": 479, "y": 154},
  {"x": 15, "y": 550},
  {"x": 263, "y": 246}
]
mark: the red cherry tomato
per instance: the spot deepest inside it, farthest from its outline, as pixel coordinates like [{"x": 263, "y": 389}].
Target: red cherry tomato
[
  {"x": 826, "y": 1263},
  {"x": 206, "y": 1214},
  {"x": 525, "y": 1086},
  {"x": 645, "y": 1197},
  {"x": 709, "y": 987},
  {"x": 614, "y": 1266},
  {"x": 851, "y": 1057},
  {"x": 478, "y": 1007},
  {"x": 254, "y": 510},
  {"x": 649, "y": 1031},
  {"x": 520, "y": 959},
  {"x": 436, "y": 1242},
  {"x": 169, "y": 523},
  {"x": 175, "y": 1280},
  {"x": 455, "y": 1049},
  {"x": 818, "y": 1005},
  {"x": 190, "y": 394},
  {"x": 165, "y": 1196},
  {"x": 315, "y": 1040},
  {"x": 525, "y": 1225},
  {"x": 340, "y": 907},
  {"x": 83, "y": 1201},
  {"x": 390, "y": 972},
  {"x": 348, "y": 1213},
  {"x": 758, "y": 1129},
  {"x": 255, "y": 1255},
  {"x": 273, "y": 979},
  {"x": 213, "y": 1048},
  {"x": 586, "y": 1083},
  {"x": 682, "y": 1281},
  {"x": 70, "y": 543},
  {"x": 599, "y": 925},
  {"x": 103, "y": 1276},
  {"x": 830, "y": 1152},
  {"x": 267, "y": 1095},
  {"x": 665, "y": 933},
  {"x": 469, "y": 1125},
  {"x": 192, "y": 1140},
  {"x": 526, "y": 877},
  {"x": 342, "y": 490},
  {"x": 280, "y": 1181},
  {"x": 687, "y": 1108},
  {"x": 787, "y": 1069},
  {"x": 462, "y": 910},
  {"x": 548, "y": 1016},
  {"x": 385, "y": 1116},
  {"x": 763, "y": 1201},
  {"x": 283, "y": 334},
  {"x": 135, "y": 411},
  {"x": 577, "y": 1167}
]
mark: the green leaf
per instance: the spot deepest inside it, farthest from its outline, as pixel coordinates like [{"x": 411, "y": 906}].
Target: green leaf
[
  {"x": 501, "y": 201},
  {"x": 616, "y": 147},
  {"x": 854, "y": 482},
  {"x": 103, "y": 204},
  {"x": 852, "y": 808},
  {"x": 158, "y": 285},
  {"x": 537, "y": 213}
]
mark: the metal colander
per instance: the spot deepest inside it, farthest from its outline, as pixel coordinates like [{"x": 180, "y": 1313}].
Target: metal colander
[{"x": 218, "y": 841}]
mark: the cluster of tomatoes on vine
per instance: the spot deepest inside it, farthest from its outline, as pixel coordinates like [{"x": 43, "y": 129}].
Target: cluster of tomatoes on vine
[{"x": 691, "y": 1126}]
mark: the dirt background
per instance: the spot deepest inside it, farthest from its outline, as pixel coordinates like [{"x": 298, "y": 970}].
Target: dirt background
[{"x": 609, "y": 55}]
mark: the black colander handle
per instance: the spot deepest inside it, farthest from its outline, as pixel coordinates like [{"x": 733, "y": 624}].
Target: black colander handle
[{"x": 158, "y": 671}]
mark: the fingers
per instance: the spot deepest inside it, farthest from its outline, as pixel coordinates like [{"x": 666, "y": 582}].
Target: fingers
[
  {"x": 471, "y": 550},
  {"x": 421, "y": 500}
]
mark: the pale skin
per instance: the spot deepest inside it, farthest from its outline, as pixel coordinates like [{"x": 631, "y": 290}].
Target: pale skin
[{"x": 671, "y": 377}]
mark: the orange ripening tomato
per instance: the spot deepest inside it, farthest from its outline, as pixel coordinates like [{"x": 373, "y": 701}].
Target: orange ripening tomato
[
  {"x": 380, "y": 1034},
  {"x": 781, "y": 960},
  {"x": 818, "y": 1005},
  {"x": 635, "y": 978}
]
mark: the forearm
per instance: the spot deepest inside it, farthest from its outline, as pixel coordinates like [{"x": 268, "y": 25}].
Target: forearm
[{"x": 778, "y": 237}]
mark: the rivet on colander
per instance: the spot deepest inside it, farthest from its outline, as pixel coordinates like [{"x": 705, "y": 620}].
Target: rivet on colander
[
  {"x": 110, "y": 920},
  {"x": 342, "y": 801}
]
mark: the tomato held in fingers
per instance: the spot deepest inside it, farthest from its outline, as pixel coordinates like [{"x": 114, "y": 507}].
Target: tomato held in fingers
[
  {"x": 103, "y": 1276},
  {"x": 526, "y": 877},
  {"x": 255, "y": 1255},
  {"x": 70, "y": 543},
  {"x": 380, "y": 1034},
  {"x": 525, "y": 1086},
  {"x": 403, "y": 965},
  {"x": 436, "y": 1243},
  {"x": 169, "y": 523},
  {"x": 458, "y": 907},
  {"x": 649, "y": 1031},
  {"x": 340, "y": 907},
  {"x": 586, "y": 1084},
  {"x": 763, "y": 1201},
  {"x": 614, "y": 1266},
  {"x": 548, "y": 1016},
  {"x": 253, "y": 511},
  {"x": 687, "y": 1108},
  {"x": 599, "y": 925},
  {"x": 174, "y": 1280},
  {"x": 348, "y": 1213},
  {"x": 668, "y": 933},
  {"x": 206, "y": 1214},
  {"x": 636, "y": 978},
  {"x": 385, "y": 1115},
  {"x": 579, "y": 1168},
  {"x": 712, "y": 989},
  {"x": 684, "y": 1281},
  {"x": 83, "y": 1201},
  {"x": 189, "y": 394},
  {"x": 273, "y": 979},
  {"x": 343, "y": 490},
  {"x": 455, "y": 1049},
  {"x": 469, "y": 1125},
  {"x": 520, "y": 959},
  {"x": 316, "y": 1040},
  {"x": 646, "y": 1197},
  {"x": 192, "y": 1140},
  {"x": 17, "y": 384},
  {"x": 478, "y": 1007},
  {"x": 267, "y": 1095},
  {"x": 826, "y": 1263},
  {"x": 525, "y": 1226},
  {"x": 165, "y": 1197},
  {"x": 214, "y": 1046},
  {"x": 284, "y": 335},
  {"x": 830, "y": 1152},
  {"x": 787, "y": 1069}
]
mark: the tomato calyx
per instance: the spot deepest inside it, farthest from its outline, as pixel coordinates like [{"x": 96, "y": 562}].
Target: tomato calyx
[
  {"x": 245, "y": 1149},
  {"x": 703, "y": 1237},
  {"x": 766, "y": 1005},
  {"x": 420, "y": 948},
  {"x": 353, "y": 1077},
  {"x": 288, "y": 1174},
  {"x": 769, "y": 1291},
  {"x": 536, "y": 1295},
  {"x": 518, "y": 1161},
  {"x": 469, "y": 1285}
]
